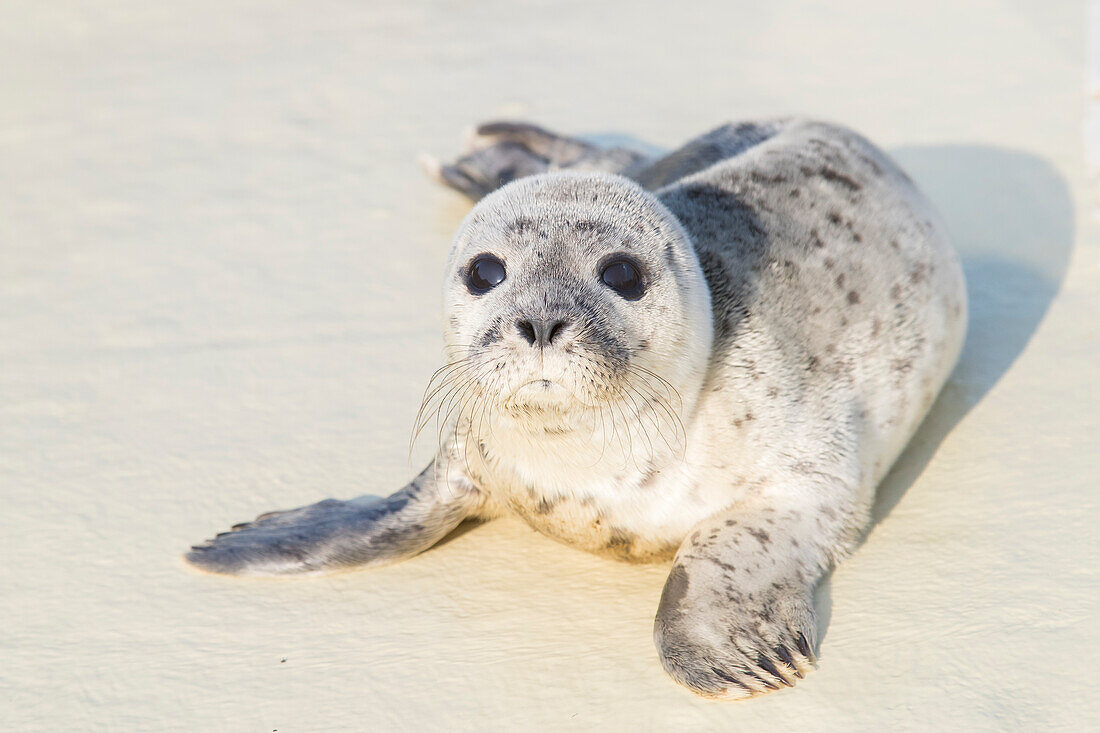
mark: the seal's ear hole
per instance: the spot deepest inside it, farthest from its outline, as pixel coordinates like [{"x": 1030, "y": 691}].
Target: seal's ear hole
[
  {"x": 484, "y": 273},
  {"x": 624, "y": 275}
]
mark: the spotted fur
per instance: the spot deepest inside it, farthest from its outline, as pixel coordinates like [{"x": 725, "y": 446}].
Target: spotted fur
[{"x": 802, "y": 309}]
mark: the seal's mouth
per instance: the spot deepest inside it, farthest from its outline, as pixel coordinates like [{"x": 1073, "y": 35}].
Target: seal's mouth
[
  {"x": 541, "y": 390},
  {"x": 546, "y": 397},
  {"x": 544, "y": 384},
  {"x": 542, "y": 396}
]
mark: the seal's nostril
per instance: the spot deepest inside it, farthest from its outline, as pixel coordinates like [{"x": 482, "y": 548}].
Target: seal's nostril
[
  {"x": 526, "y": 330},
  {"x": 539, "y": 333},
  {"x": 554, "y": 330}
]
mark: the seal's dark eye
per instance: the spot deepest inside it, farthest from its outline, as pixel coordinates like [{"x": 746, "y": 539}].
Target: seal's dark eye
[
  {"x": 624, "y": 277},
  {"x": 484, "y": 273}
]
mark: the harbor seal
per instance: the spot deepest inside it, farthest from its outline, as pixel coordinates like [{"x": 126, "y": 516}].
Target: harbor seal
[{"x": 713, "y": 356}]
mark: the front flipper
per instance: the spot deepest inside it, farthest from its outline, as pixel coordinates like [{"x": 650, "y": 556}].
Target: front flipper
[
  {"x": 332, "y": 534},
  {"x": 736, "y": 617}
]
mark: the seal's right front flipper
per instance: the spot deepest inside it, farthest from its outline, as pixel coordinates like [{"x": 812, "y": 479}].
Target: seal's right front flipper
[{"x": 333, "y": 535}]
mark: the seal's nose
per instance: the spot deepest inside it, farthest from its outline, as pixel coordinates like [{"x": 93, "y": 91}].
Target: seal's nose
[{"x": 539, "y": 333}]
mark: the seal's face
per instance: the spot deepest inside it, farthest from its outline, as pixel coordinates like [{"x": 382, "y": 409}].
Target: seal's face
[
  {"x": 554, "y": 316},
  {"x": 571, "y": 300}
]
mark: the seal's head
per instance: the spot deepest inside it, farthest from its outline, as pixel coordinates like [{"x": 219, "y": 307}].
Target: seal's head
[{"x": 568, "y": 296}]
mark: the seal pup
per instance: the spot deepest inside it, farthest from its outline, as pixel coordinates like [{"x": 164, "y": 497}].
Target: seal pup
[{"x": 713, "y": 356}]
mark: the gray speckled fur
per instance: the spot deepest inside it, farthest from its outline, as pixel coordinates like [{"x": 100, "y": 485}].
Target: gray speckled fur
[{"x": 803, "y": 303}]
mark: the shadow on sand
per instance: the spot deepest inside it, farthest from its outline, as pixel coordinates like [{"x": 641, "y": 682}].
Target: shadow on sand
[{"x": 1011, "y": 219}]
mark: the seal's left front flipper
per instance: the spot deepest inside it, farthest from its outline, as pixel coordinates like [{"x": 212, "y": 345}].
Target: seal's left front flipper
[
  {"x": 736, "y": 618},
  {"x": 333, "y": 535}
]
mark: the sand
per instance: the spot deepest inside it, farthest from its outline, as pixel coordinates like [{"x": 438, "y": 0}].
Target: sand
[{"x": 219, "y": 295}]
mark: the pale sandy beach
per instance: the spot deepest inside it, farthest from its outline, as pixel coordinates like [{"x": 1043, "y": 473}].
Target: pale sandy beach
[{"x": 220, "y": 294}]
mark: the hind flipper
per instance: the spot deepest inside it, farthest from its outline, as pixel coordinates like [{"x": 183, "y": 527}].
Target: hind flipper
[{"x": 500, "y": 152}]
